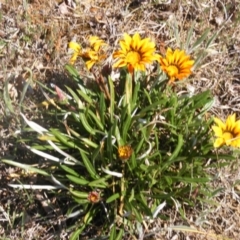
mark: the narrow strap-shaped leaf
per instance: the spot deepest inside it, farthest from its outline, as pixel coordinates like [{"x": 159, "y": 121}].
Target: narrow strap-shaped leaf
[
  {"x": 25, "y": 88},
  {"x": 127, "y": 124},
  {"x": 201, "y": 39},
  {"x": 96, "y": 120},
  {"x": 79, "y": 194},
  {"x": 75, "y": 97},
  {"x": 85, "y": 97},
  {"x": 69, "y": 170},
  {"x": 191, "y": 180},
  {"x": 102, "y": 108},
  {"x": 71, "y": 69},
  {"x": 112, "y": 100},
  {"x": 88, "y": 165},
  {"x": 128, "y": 93},
  {"x": 178, "y": 148},
  {"x": 189, "y": 37},
  {"x": 118, "y": 136},
  {"x": 135, "y": 94},
  {"x": 113, "y": 198},
  {"x": 86, "y": 124},
  {"x": 120, "y": 235},
  {"x": 113, "y": 233},
  {"x": 26, "y": 167},
  {"x": 63, "y": 138},
  {"x": 6, "y": 96},
  {"x": 110, "y": 139},
  {"x": 75, "y": 235},
  {"x": 77, "y": 180},
  {"x": 101, "y": 182},
  {"x": 77, "y": 135}
]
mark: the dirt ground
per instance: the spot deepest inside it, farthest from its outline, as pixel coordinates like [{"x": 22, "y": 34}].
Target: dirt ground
[{"x": 34, "y": 37}]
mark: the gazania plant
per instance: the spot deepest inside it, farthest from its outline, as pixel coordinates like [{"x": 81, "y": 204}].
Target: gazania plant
[
  {"x": 176, "y": 64},
  {"x": 227, "y": 133},
  {"x": 135, "y": 53},
  {"x": 92, "y": 55},
  {"x": 127, "y": 148}
]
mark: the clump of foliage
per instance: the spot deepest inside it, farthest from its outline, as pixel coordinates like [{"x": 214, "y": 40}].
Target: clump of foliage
[{"x": 128, "y": 143}]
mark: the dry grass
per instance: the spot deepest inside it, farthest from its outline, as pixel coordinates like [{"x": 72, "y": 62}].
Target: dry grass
[{"x": 34, "y": 36}]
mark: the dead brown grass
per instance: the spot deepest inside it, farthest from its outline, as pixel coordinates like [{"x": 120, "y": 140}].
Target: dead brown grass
[{"x": 34, "y": 36}]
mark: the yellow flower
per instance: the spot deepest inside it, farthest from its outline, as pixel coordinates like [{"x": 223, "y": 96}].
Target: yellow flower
[
  {"x": 77, "y": 51},
  {"x": 91, "y": 55},
  {"x": 135, "y": 53},
  {"x": 177, "y": 65},
  {"x": 96, "y": 43},
  {"x": 125, "y": 152},
  {"x": 95, "y": 53},
  {"x": 227, "y": 133}
]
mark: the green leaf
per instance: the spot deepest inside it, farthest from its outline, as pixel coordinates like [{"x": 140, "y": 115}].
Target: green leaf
[
  {"x": 96, "y": 120},
  {"x": 120, "y": 235},
  {"x": 23, "y": 94},
  {"x": 153, "y": 107},
  {"x": 207, "y": 106},
  {"x": 80, "y": 201},
  {"x": 140, "y": 144},
  {"x": 86, "y": 124},
  {"x": 191, "y": 180},
  {"x": 222, "y": 156},
  {"x": 75, "y": 97},
  {"x": 89, "y": 216},
  {"x": 201, "y": 39},
  {"x": 168, "y": 180},
  {"x": 136, "y": 212},
  {"x": 113, "y": 198},
  {"x": 110, "y": 140},
  {"x": 201, "y": 99},
  {"x": 79, "y": 194},
  {"x": 112, "y": 100},
  {"x": 126, "y": 125},
  {"x": 69, "y": 170},
  {"x": 99, "y": 183},
  {"x": 102, "y": 108},
  {"x": 131, "y": 197},
  {"x": 71, "y": 69},
  {"x": 77, "y": 180},
  {"x": 6, "y": 96},
  {"x": 113, "y": 233},
  {"x": 26, "y": 167},
  {"x": 144, "y": 204},
  {"x": 88, "y": 165},
  {"x": 118, "y": 136},
  {"x": 178, "y": 148},
  {"x": 76, "y": 234},
  {"x": 85, "y": 97},
  {"x": 133, "y": 162},
  {"x": 64, "y": 139},
  {"x": 128, "y": 93},
  {"x": 214, "y": 36},
  {"x": 189, "y": 37},
  {"x": 135, "y": 94},
  {"x": 89, "y": 143}
]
